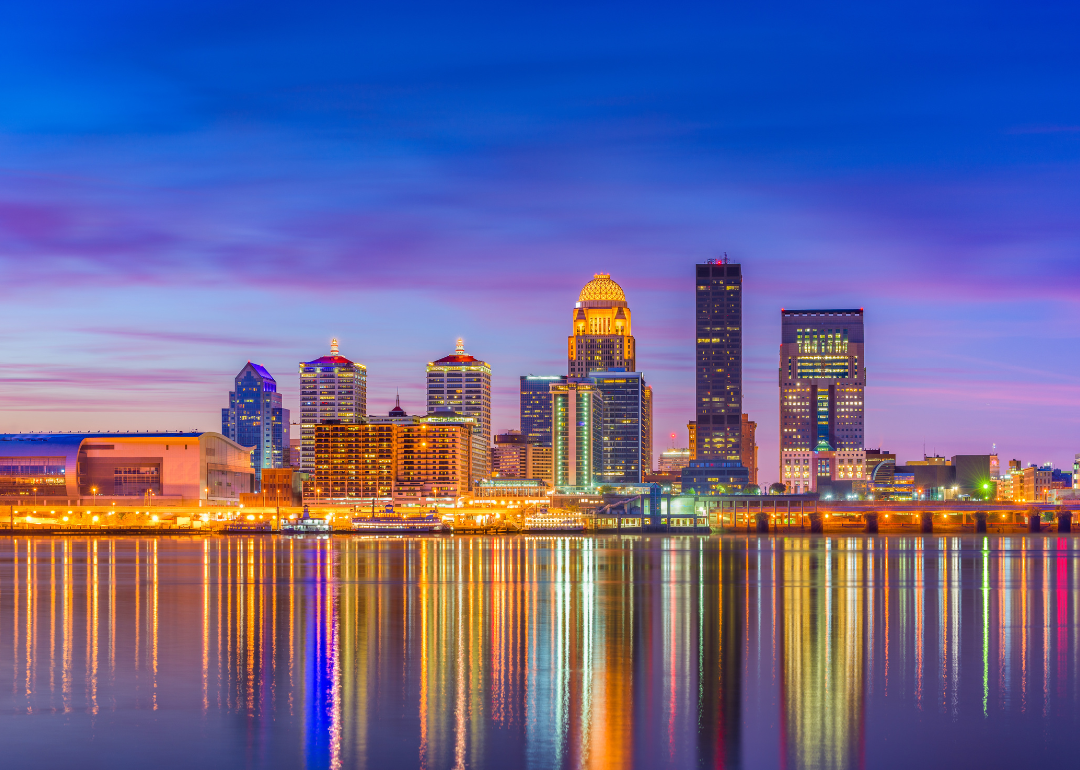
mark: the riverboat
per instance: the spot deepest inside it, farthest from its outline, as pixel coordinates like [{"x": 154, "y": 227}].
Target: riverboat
[
  {"x": 249, "y": 527},
  {"x": 305, "y": 525},
  {"x": 390, "y": 522}
]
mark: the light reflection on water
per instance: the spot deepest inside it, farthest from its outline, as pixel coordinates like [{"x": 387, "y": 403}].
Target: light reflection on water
[{"x": 615, "y": 651}]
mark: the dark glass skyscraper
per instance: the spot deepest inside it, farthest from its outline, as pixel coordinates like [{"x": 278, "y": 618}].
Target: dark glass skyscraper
[
  {"x": 536, "y": 407},
  {"x": 255, "y": 417},
  {"x": 719, "y": 361},
  {"x": 627, "y": 441}
]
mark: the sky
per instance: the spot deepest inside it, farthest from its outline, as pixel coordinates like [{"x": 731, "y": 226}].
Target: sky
[{"x": 186, "y": 186}]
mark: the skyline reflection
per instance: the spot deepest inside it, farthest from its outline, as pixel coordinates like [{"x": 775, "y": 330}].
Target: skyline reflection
[{"x": 557, "y": 651}]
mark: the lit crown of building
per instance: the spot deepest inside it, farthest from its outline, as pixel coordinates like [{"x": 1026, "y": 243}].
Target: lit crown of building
[{"x": 602, "y": 333}]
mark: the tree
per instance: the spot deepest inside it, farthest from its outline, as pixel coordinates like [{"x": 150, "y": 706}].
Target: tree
[
  {"x": 776, "y": 488},
  {"x": 605, "y": 489}
]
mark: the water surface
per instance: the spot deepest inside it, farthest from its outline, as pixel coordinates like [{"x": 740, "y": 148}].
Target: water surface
[{"x": 604, "y": 651}]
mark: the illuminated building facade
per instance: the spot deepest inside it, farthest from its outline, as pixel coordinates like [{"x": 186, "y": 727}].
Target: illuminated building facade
[
  {"x": 749, "y": 449},
  {"x": 719, "y": 362},
  {"x": 331, "y": 388},
  {"x": 822, "y": 379},
  {"x": 279, "y": 487},
  {"x": 410, "y": 459},
  {"x": 828, "y": 473},
  {"x": 536, "y": 407},
  {"x": 1036, "y": 484},
  {"x": 673, "y": 460},
  {"x": 255, "y": 418},
  {"x": 627, "y": 426},
  {"x": 577, "y": 433},
  {"x": 602, "y": 337},
  {"x": 462, "y": 383},
  {"x": 518, "y": 456},
  {"x": 716, "y": 466},
  {"x": 437, "y": 459},
  {"x": 691, "y": 430},
  {"x": 123, "y": 467}
]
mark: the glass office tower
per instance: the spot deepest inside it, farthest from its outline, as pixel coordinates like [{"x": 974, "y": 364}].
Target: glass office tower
[
  {"x": 255, "y": 418},
  {"x": 536, "y": 408}
]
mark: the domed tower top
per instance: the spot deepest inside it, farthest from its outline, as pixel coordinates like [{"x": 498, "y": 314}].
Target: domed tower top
[
  {"x": 601, "y": 291},
  {"x": 602, "y": 338}
]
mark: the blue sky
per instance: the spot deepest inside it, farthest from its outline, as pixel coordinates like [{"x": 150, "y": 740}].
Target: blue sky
[{"x": 186, "y": 186}]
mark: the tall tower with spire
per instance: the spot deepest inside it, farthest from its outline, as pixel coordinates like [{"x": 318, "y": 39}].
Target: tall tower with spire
[
  {"x": 331, "y": 388},
  {"x": 602, "y": 338},
  {"x": 461, "y": 383}
]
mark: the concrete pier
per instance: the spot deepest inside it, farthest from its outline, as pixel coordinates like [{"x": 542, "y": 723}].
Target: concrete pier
[
  {"x": 761, "y": 521},
  {"x": 980, "y": 521},
  {"x": 1034, "y": 521},
  {"x": 1064, "y": 521},
  {"x": 926, "y": 522},
  {"x": 871, "y": 519},
  {"x": 816, "y": 523}
]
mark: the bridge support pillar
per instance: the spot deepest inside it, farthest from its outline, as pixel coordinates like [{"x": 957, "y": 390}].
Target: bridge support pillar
[
  {"x": 926, "y": 522},
  {"x": 871, "y": 519},
  {"x": 816, "y": 523},
  {"x": 980, "y": 521},
  {"x": 1034, "y": 521},
  {"x": 1064, "y": 519},
  {"x": 761, "y": 520}
]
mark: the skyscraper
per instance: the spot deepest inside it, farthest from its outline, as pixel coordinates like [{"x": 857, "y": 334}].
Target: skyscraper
[
  {"x": 577, "y": 432},
  {"x": 719, "y": 361},
  {"x": 462, "y": 383},
  {"x": 822, "y": 377},
  {"x": 536, "y": 408},
  {"x": 331, "y": 388},
  {"x": 627, "y": 437},
  {"x": 717, "y": 428},
  {"x": 602, "y": 337},
  {"x": 255, "y": 418}
]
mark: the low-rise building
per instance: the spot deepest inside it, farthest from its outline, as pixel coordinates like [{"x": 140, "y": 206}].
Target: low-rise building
[
  {"x": 829, "y": 473},
  {"x": 280, "y": 488},
  {"x": 511, "y": 489},
  {"x": 180, "y": 468},
  {"x": 1036, "y": 484},
  {"x": 673, "y": 460}
]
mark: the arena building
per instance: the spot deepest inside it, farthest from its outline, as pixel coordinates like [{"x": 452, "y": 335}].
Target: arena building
[{"x": 125, "y": 468}]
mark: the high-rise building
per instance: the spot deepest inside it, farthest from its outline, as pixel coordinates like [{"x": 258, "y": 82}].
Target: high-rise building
[
  {"x": 691, "y": 430},
  {"x": 627, "y": 435},
  {"x": 331, "y": 388},
  {"x": 647, "y": 430},
  {"x": 602, "y": 337},
  {"x": 1076, "y": 472},
  {"x": 716, "y": 467},
  {"x": 749, "y": 450},
  {"x": 719, "y": 362},
  {"x": 407, "y": 459},
  {"x": 462, "y": 383},
  {"x": 822, "y": 379},
  {"x": 255, "y": 418},
  {"x": 536, "y": 407},
  {"x": 577, "y": 432}
]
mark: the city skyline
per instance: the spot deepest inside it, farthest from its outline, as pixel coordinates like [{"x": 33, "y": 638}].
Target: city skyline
[
  {"x": 669, "y": 412},
  {"x": 170, "y": 210}
]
